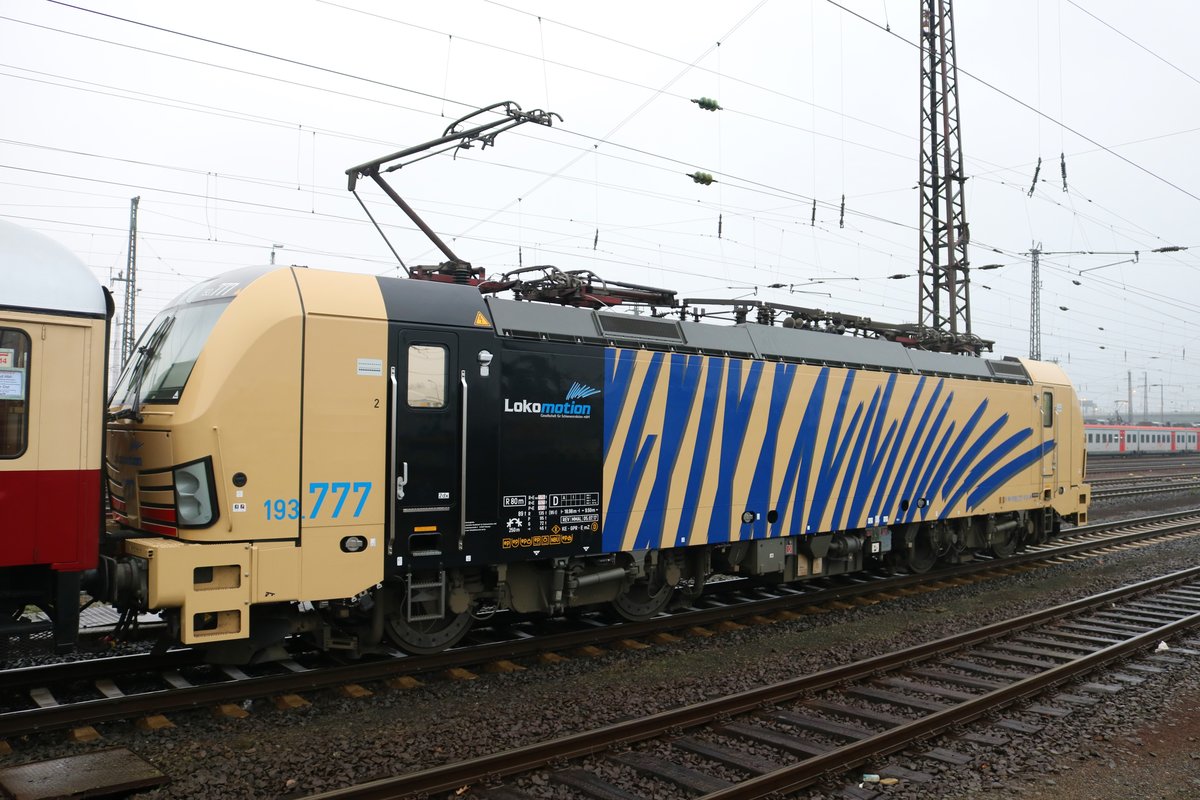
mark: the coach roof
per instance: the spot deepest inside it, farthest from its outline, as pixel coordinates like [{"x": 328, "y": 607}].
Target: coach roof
[{"x": 39, "y": 273}]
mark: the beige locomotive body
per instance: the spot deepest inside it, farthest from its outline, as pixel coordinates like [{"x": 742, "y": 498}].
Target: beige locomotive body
[{"x": 351, "y": 457}]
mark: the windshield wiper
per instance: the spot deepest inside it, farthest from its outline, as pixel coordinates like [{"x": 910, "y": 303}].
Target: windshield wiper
[{"x": 140, "y": 368}]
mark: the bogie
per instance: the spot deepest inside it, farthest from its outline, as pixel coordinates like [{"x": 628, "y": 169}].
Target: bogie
[{"x": 642, "y": 585}]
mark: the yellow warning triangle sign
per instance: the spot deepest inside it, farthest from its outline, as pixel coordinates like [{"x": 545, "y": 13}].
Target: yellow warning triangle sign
[{"x": 481, "y": 321}]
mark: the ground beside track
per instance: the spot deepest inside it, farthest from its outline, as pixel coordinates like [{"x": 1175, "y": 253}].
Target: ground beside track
[
  {"x": 1155, "y": 759},
  {"x": 1148, "y": 750},
  {"x": 338, "y": 741}
]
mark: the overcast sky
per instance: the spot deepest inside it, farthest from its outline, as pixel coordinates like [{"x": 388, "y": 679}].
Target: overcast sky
[{"x": 235, "y": 123}]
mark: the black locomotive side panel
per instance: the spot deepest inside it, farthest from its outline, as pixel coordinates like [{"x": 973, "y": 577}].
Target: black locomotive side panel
[{"x": 551, "y": 436}]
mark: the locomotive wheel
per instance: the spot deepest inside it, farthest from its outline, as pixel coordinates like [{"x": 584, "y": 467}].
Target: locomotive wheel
[
  {"x": 429, "y": 636},
  {"x": 921, "y": 552},
  {"x": 1006, "y": 544},
  {"x": 641, "y": 601},
  {"x": 422, "y": 637}
]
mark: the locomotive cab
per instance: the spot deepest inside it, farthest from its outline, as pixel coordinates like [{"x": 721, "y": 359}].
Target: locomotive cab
[{"x": 230, "y": 435}]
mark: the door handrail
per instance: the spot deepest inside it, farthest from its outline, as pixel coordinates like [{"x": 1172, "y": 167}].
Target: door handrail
[
  {"x": 392, "y": 474},
  {"x": 462, "y": 485}
]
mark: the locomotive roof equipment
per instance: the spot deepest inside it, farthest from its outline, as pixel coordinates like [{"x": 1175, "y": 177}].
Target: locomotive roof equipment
[{"x": 454, "y": 137}]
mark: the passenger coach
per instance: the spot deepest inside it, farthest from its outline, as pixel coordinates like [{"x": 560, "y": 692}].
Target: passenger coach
[
  {"x": 53, "y": 334},
  {"x": 1140, "y": 440}
]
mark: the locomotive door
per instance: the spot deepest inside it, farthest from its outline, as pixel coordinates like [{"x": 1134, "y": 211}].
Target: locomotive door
[
  {"x": 1049, "y": 426},
  {"x": 426, "y": 454}
]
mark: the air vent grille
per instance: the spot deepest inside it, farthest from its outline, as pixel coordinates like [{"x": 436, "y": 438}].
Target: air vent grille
[{"x": 624, "y": 326}]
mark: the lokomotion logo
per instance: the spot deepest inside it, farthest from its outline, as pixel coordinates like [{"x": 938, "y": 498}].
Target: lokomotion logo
[{"x": 568, "y": 408}]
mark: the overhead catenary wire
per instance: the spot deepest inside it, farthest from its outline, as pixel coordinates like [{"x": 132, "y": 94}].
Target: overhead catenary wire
[
  {"x": 1041, "y": 114},
  {"x": 297, "y": 62},
  {"x": 383, "y": 83},
  {"x": 1149, "y": 51},
  {"x": 594, "y": 228},
  {"x": 293, "y": 61},
  {"x": 350, "y": 218}
]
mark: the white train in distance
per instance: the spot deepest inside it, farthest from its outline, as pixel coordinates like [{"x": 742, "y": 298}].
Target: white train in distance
[{"x": 1140, "y": 439}]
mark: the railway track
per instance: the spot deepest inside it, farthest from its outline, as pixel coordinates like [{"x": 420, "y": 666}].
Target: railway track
[
  {"x": 1107, "y": 489},
  {"x": 1158, "y": 478},
  {"x": 789, "y": 735},
  {"x": 75, "y": 694},
  {"x": 1098, "y": 465}
]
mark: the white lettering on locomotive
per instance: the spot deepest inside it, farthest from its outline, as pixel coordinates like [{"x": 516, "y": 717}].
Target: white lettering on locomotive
[{"x": 547, "y": 409}]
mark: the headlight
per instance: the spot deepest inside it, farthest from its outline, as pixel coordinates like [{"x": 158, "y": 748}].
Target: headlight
[{"x": 193, "y": 494}]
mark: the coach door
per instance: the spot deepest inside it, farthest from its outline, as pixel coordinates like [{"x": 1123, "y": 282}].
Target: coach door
[
  {"x": 1049, "y": 426},
  {"x": 425, "y": 461}
]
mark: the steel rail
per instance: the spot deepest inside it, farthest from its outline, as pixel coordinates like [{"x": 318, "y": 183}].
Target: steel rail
[
  {"x": 1142, "y": 489},
  {"x": 92, "y": 669},
  {"x": 1101, "y": 464},
  {"x": 851, "y": 755},
  {"x": 173, "y": 699},
  {"x": 538, "y": 755},
  {"x": 1099, "y": 484}
]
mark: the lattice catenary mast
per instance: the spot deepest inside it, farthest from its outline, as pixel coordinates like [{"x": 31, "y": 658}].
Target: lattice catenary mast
[
  {"x": 1035, "y": 302},
  {"x": 944, "y": 311},
  {"x": 128, "y": 322}
]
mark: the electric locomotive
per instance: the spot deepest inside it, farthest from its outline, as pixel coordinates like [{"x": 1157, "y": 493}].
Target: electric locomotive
[
  {"x": 54, "y": 318},
  {"x": 358, "y": 459},
  {"x": 364, "y": 458}
]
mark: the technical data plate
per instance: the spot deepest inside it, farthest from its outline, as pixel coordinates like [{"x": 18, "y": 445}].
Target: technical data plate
[{"x": 98, "y": 774}]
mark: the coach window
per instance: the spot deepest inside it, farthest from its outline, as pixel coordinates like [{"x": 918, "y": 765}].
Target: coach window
[
  {"x": 426, "y": 376},
  {"x": 1047, "y": 409},
  {"x": 14, "y": 392}
]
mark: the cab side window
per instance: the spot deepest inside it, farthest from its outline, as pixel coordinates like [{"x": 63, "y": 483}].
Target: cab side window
[
  {"x": 426, "y": 376},
  {"x": 14, "y": 392},
  {"x": 1047, "y": 410}
]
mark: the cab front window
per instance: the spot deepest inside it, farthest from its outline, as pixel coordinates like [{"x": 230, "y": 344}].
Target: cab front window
[{"x": 166, "y": 353}]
